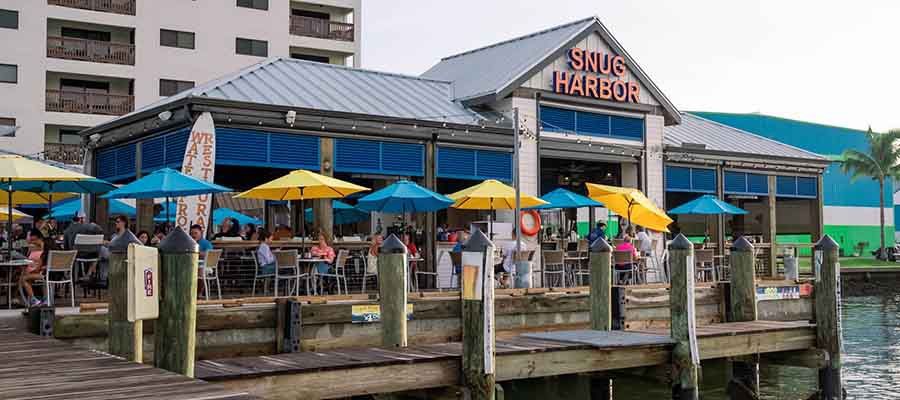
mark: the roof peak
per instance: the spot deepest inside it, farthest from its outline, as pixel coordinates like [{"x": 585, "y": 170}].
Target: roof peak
[{"x": 526, "y": 36}]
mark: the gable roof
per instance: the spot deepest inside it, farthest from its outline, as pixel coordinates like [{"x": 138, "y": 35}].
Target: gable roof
[
  {"x": 722, "y": 138},
  {"x": 490, "y": 73},
  {"x": 311, "y": 85}
]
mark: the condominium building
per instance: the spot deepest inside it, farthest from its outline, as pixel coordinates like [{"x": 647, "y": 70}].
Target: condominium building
[{"x": 70, "y": 64}]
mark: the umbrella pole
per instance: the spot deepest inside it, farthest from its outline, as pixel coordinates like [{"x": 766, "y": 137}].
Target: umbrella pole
[
  {"x": 9, "y": 206},
  {"x": 303, "y": 225},
  {"x": 168, "y": 219}
]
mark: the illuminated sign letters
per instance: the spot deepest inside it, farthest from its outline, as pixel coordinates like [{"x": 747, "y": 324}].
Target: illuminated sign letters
[{"x": 592, "y": 76}]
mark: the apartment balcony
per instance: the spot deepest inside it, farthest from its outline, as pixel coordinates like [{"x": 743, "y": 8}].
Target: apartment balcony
[
  {"x": 89, "y": 103},
  {"x": 64, "y": 152},
  {"x": 125, "y": 7},
  {"x": 90, "y": 50},
  {"x": 321, "y": 28}
]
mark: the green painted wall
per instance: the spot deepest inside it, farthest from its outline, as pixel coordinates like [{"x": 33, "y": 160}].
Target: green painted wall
[{"x": 849, "y": 235}]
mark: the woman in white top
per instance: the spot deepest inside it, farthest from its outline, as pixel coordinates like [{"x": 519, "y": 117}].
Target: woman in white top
[
  {"x": 372, "y": 255},
  {"x": 264, "y": 254}
]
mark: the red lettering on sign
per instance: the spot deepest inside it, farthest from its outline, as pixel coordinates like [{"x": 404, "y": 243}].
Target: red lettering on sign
[
  {"x": 148, "y": 282},
  {"x": 576, "y": 86},
  {"x": 620, "y": 90},
  {"x": 561, "y": 82},
  {"x": 575, "y": 59},
  {"x": 586, "y": 84},
  {"x": 634, "y": 92}
]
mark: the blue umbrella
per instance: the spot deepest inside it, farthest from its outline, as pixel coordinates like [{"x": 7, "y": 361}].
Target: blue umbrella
[
  {"x": 220, "y": 214},
  {"x": 93, "y": 186},
  {"x": 343, "y": 213},
  {"x": 166, "y": 183},
  {"x": 563, "y": 198},
  {"x": 404, "y": 197},
  {"x": 71, "y": 208},
  {"x": 707, "y": 205},
  {"x": 165, "y": 209}
]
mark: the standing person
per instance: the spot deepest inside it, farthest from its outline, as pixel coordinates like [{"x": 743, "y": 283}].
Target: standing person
[
  {"x": 644, "y": 242},
  {"x": 121, "y": 227},
  {"x": 264, "y": 255},
  {"x": 202, "y": 244},
  {"x": 79, "y": 227},
  {"x": 598, "y": 232},
  {"x": 509, "y": 262},
  {"x": 372, "y": 254}
]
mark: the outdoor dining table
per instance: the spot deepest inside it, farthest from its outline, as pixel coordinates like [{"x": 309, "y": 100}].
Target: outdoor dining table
[
  {"x": 307, "y": 265},
  {"x": 10, "y": 266}
]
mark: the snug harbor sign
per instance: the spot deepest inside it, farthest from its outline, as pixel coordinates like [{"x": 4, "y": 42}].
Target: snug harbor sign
[{"x": 592, "y": 75}]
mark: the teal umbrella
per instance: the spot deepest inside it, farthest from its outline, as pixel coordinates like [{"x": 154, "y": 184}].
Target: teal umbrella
[
  {"x": 563, "y": 198},
  {"x": 343, "y": 213},
  {"x": 165, "y": 182},
  {"x": 707, "y": 205},
  {"x": 69, "y": 209}
]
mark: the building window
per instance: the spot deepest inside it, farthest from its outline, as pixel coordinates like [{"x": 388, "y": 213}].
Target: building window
[
  {"x": 82, "y": 86},
  {"x": 9, "y": 73},
  {"x": 310, "y": 57},
  {"x": 169, "y": 87},
  {"x": 169, "y": 38},
  {"x": 257, "y": 4},
  {"x": 310, "y": 14},
  {"x": 8, "y": 127},
  {"x": 69, "y": 136},
  {"x": 9, "y": 19},
  {"x": 86, "y": 34},
  {"x": 251, "y": 47}
]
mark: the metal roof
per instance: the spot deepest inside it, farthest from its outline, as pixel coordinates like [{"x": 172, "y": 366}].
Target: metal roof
[
  {"x": 490, "y": 73},
  {"x": 305, "y": 84},
  {"x": 726, "y": 139}
]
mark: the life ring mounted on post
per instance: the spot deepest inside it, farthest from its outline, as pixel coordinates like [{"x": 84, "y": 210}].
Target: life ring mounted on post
[{"x": 530, "y": 222}]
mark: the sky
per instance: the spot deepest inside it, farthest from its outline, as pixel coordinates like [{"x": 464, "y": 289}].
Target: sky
[{"x": 828, "y": 61}]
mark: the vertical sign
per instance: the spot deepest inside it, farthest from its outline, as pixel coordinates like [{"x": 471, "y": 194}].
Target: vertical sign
[
  {"x": 488, "y": 289},
  {"x": 199, "y": 162},
  {"x": 691, "y": 311},
  {"x": 143, "y": 283}
]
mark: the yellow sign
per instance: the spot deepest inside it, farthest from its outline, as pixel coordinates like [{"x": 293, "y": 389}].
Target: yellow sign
[
  {"x": 366, "y": 313},
  {"x": 471, "y": 282}
]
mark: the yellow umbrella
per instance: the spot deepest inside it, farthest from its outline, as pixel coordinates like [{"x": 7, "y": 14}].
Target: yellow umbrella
[
  {"x": 492, "y": 195},
  {"x": 632, "y": 203},
  {"x": 6, "y": 212},
  {"x": 20, "y": 197},
  {"x": 301, "y": 185}
]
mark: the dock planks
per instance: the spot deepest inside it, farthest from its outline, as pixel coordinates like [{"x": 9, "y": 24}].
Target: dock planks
[{"x": 34, "y": 367}]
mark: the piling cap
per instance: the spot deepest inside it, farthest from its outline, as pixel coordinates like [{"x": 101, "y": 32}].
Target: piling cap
[
  {"x": 826, "y": 243},
  {"x": 601, "y": 246},
  {"x": 121, "y": 242},
  {"x": 393, "y": 245},
  {"x": 681, "y": 242},
  {"x": 742, "y": 244},
  {"x": 477, "y": 243},
  {"x": 178, "y": 241}
]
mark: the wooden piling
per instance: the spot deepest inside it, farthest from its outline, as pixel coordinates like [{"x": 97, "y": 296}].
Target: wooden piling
[
  {"x": 478, "y": 358},
  {"x": 176, "y": 328},
  {"x": 600, "y": 260},
  {"x": 828, "y": 315},
  {"x": 744, "y": 380},
  {"x": 125, "y": 338},
  {"x": 393, "y": 278},
  {"x": 685, "y": 356}
]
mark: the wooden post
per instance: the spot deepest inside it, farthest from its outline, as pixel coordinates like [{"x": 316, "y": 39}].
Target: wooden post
[
  {"x": 144, "y": 215},
  {"x": 393, "y": 278},
  {"x": 125, "y": 338},
  {"x": 770, "y": 231},
  {"x": 322, "y": 209},
  {"x": 478, "y": 317},
  {"x": 600, "y": 263},
  {"x": 431, "y": 254},
  {"x": 828, "y": 315},
  {"x": 744, "y": 380},
  {"x": 685, "y": 356},
  {"x": 176, "y": 328}
]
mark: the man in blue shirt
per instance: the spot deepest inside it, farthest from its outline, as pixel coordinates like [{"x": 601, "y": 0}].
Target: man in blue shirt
[
  {"x": 599, "y": 232},
  {"x": 197, "y": 235}
]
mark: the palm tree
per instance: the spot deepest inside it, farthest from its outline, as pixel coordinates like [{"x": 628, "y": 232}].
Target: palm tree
[{"x": 879, "y": 163}]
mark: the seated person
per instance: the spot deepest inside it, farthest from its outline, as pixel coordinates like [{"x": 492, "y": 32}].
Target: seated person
[
  {"x": 324, "y": 251},
  {"x": 628, "y": 245},
  {"x": 598, "y": 232},
  {"x": 644, "y": 242},
  {"x": 35, "y": 270},
  {"x": 203, "y": 245},
  {"x": 264, "y": 255},
  {"x": 509, "y": 263}
]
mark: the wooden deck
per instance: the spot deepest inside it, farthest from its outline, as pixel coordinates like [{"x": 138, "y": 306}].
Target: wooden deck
[
  {"x": 34, "y": 367},
  {"x": 348, "y": 372}
]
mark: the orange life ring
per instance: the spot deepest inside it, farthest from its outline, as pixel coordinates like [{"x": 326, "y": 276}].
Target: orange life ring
[{"x": 535, "y": 224}]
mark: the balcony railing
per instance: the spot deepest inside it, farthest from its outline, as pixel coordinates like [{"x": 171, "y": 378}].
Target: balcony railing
[
  {"x": 89, "y": 103},
  {"x": 321, "y": 28},
  {"x": 90, "y": 50},
  {"x": 64, "y": 153},
  {"x": 126, "y": 7}
]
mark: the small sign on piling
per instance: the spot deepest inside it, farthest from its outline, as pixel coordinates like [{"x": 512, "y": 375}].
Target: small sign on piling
[{"x": 143, "y": 282}]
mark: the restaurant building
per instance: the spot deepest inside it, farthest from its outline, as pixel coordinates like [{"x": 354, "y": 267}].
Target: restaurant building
[{"x": 587, "y": 111}]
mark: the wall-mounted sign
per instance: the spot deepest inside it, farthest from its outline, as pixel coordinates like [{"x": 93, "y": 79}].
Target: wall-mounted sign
[
  {"x": 783, "y": 292},
  {"x": 368, "y": 313},
  {"x": 593, "y": 74}
]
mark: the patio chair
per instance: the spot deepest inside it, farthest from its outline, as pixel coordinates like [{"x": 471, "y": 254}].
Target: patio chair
[
  {"x": 624, "y": 264},
  {"x": 288, "y": 269},
  {"x": 370, "y": 271},
  {"x": 554, "y": 265},
  {"x": 60, "y": 270},
  {"x": 209, "y": 272},
  {"x": 339, "y": 274},
  {"x": 258, "y": 275},
  {"x": 705, "y": 263},
  {"x": 88, "y": 247}
]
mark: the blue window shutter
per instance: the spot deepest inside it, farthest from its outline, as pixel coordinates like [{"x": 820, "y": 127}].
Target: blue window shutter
[
  {"x": 786, "y": 185},
  {"x": 591, "y": 124},
  {"x": 453, "y": 162},
  {"x": 735, "y": 182},
  {"x": 125, "y": 160},
  {"x": 703, "y": 180},
  {"x": 241, "y": 147},
  {"x": 106, "y": 163},
  {"x": 678, "y": 179},
  {"x": 294, "y": 151},
  {"x": 403, "y": 159},
  {"x": 557, "y": 119},
  {"x": 153, "y": 153},
  {"x": 806, "y": 187},
  {"x": 627, "y": 128},
  {"x": 176, "y": 143},
  {"x": 493, "y": 165},
  {"x": 354, "y": 155},
  {"x": 757, "y": 184}
]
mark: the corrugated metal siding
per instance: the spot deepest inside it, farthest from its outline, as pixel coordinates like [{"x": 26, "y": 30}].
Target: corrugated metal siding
[
  {"x": 241, "y": 147},
  {"x": 377, "y": 157},
  {"x": 106, "y": 163},
  {"x": 294, "y": 151},
  {"x": 153, "y": 153},
  {"x": 494, "y": 165},
  {"x": 176, "y": 143},
  {"x": 473, "y": 164},
  {"x": 117, "y": 163}
]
